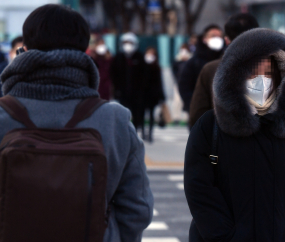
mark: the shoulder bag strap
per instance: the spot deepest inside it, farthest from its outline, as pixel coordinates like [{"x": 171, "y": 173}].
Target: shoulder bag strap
[
  {"x": 84, "y": 110},
  {"x": 17, "y": 111},
  {"x": 214, "y": 153}
]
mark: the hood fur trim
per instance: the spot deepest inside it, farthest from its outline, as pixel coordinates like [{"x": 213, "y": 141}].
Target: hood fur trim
[{"x": 233, "y": 112}]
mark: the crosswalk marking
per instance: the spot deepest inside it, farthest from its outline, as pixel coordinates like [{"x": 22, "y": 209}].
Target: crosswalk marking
[
  {"x": 175, "y": 177},
  {"x": 161, "y": 239},
  {"x": 180, "y": 186},
  {"x": 155, "y": 213},
  {"x": 157, "y": 226},
  {"x": 167, "y": 138}
]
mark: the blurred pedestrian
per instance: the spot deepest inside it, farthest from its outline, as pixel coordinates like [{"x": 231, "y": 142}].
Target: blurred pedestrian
[
  {"x": 102, "y": 58},
  {"x": 91, "y": 47},
  {"x": 209, "y": 47},
  {"x": 192, "y": 43},
  {"x": 153, "y": 90},
  {"x": 15, "y": 45},
  {"x": 52, "y": 81},
  {"x": 127, "y": 73},
  {"x": 234, "y": 162},
  {"x": 3, "y": 61},
  {"x": 181, "y": 58},
  {"x": 3, "y": 64},
  {"x": 202, "y": 99}
]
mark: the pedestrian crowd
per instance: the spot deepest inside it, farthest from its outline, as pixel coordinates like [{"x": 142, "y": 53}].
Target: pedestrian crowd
[{"x": 72, "y": 164}]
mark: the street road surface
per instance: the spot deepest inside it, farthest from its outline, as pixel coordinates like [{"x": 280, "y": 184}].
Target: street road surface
[
  {"x": 172, "y": 217},
  {"x": 165, "y": 159}
]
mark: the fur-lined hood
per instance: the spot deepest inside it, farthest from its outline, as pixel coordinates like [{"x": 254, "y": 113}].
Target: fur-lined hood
[{"x": 233, "y": 112}]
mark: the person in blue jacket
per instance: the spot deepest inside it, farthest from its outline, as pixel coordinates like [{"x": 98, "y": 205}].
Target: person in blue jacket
[{"x": 50, "y": 79}]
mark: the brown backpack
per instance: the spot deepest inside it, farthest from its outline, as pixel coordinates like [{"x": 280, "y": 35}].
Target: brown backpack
[{"x": 52, "y": 181}]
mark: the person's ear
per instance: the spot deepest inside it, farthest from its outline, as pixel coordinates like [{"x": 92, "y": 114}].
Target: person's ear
[
  {"x": 227, "y": 40},
  {"x": 25, "y": 48}
]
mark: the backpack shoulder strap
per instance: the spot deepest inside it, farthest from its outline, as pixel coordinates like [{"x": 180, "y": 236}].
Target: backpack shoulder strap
[
  {"x": 17, "y": 111},
  {"x": 214, "y": 153},
  {"x": 84, "y": 110}
]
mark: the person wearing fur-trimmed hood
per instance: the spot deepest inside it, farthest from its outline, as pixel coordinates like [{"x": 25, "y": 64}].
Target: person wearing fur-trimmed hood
[{"x": 242, "y": 197}]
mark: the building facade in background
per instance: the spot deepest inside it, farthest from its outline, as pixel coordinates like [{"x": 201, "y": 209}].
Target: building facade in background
[
  {"x": 13, "y": 13},
  {"x": 270, "y": 14}
]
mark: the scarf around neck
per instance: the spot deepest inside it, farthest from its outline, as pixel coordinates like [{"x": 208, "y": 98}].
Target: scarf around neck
[
  {"x": 51, "y": 75},
  {"x": 264, "y": 109}
]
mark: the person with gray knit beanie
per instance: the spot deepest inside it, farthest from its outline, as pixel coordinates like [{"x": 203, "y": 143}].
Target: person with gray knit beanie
[{"x": 50, "y": 78}]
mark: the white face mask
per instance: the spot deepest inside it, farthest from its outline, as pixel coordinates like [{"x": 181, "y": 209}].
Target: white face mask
[
  {"x": 184, "y": 54},
  {"x": 101, "y": 49},
  {"x": 259, "y": 88},
  {"x": 129, "y": 48},
  {"x": 215, "y": 43},
  {"x": 149, "y": 58}
]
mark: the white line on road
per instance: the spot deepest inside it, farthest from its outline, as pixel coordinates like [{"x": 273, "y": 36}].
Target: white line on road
[
  {"x": 157, "y": 226},
  {"x": 160, "y": 240},
  {"x": 180, "y": 186},
  {"x": 155, "y": 213},
  {"x": 167, "y": 138},
  {"x": 175, "y": 177}
]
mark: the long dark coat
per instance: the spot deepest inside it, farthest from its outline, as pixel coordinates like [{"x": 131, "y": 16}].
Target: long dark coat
[
  {"x": 128, "y": 78},
  {"x": 192, "y": 69},
  {"x": 153, "y": 88},
  {"x": 105, "y": 87},
  {"x": 243, "y": 197}
]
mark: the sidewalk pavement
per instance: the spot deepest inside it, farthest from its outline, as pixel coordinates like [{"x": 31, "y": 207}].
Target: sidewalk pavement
[{"x": 168, "y": 149}]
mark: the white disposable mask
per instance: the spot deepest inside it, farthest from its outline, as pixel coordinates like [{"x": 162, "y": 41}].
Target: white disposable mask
[
  {"x": 183, "y": 53},
  {"x": 215, "y": 43},
  {"x": 149, "y": 58},
  {"x": 129, "y": 48},
  {"x": 259, "y": 88},
  {"x": 101, "y": 49}
]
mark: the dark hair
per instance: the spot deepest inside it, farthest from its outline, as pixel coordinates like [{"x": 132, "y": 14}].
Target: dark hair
[
  {"x": 15, "y": 41},
  {"x": 276, "y": 74},
  {"x": 239, "y": 23},
  {"x": 184, "y": 46},
  {"x": 210, "y": 27},
  {"x": 55, "y": 26},
  {"x": 155, "y": 54}
]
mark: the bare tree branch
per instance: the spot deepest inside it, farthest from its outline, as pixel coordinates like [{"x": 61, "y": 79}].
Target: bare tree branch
[
  {"x": 142, "y": 12},
  {"x": 199, "y": 10},
  {"x": 192, "y": 16},
  {"x": 163, "y": 16},
  {"x": 110, "y": 7}
]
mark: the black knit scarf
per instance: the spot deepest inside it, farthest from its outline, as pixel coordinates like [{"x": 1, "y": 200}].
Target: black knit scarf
[{"x": 52, "y": 75}]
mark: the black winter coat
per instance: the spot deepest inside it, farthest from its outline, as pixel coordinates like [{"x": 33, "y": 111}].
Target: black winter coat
[
  {"x": 242, "y": 199},
  {"x": 191, "y": 70},
  {"x": 247, "y": 203},
  {"x": 127, "y": 75},
  {"x": 153, "y": 89}
]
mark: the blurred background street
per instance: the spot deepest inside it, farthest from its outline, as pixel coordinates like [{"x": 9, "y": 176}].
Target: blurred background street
[
  {"x": 169, "y": 225},
  {"x": 140, "y": 48},
  {"x": 168, "y": 147},
  {"x": 164, "y": 160}
]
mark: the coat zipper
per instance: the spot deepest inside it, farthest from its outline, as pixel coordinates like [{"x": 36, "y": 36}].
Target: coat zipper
[{"x": 89, "y": 201}]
